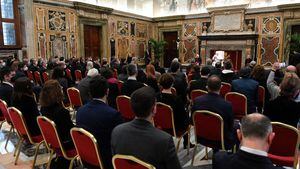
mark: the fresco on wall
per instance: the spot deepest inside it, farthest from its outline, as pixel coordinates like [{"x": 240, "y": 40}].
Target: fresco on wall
[
  {"x": 58, "y": 45},
  {"x": 123, "y": 45},
  {"x": 42, "y": 47},
  {"x": 141, "y": 30},
  {"x": 57, "y": 20},
  {"x": 123, "y": 28}
]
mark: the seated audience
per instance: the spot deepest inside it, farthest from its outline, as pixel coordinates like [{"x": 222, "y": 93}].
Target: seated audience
[
  {"x": 195, "y": 72},
  {"x": 181, "y": 118},
  {"x": 274, "y": 80},
  {"x": 180, "y": 83},
  {"x": 202, "y": 82},
  {"x": 51, "y": 100},
  {"x": 123, "y": 74},
  {"x": 58, "y": 74},
  {"x": 256, "y": 137},
  {"x": 228, "y": 74},
  {"x": 84, "y": 85},
  {"x": 6, "y": 86},
  {"x": 247, "y": 87},
  {"x": 151, "y": 78},
  {"x": 259, "y": 74},
  {"x": 215, "y": 103},
  {"x": 24, "y": 100},
  {"x": 141, "y": 139},
  {"x": 113, "y": 91},
  {"x": 284, "y": 108},
  {"x": 99, "y": 119},
  {"x": 218, "y": 69},
  {"x": 131, "y": 84}
]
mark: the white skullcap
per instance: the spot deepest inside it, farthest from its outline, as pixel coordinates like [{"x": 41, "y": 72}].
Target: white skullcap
[
  {"x": 175, "y": 60},
  {"x": 92, "y": 72}
]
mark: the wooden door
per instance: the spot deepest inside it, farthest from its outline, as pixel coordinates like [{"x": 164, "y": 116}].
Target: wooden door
[
  {"x": 92, "y": 41},
  {"x": 170, "y": 48}
]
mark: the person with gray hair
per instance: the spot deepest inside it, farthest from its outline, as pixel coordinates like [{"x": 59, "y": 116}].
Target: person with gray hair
[
  {"x": 84, "y": 85},
  {"x": 131, "y": 84},
  {"x": 256, "y": 136}
]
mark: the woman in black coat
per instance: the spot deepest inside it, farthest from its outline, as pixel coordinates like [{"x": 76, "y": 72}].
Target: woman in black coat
[{"x": 24, "y": 100}]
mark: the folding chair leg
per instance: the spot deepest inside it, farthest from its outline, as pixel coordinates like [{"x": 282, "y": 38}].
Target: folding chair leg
[
  {"x": 8, "y": 137},
  {"x": 193, "y": 158},
  {"x": 18, "y": 151},
  {"x": 50, "y": 158},
  {"x": 72, "y": 162},
  {"x": 18, "y": 144},
  {"x": 36, "y": 153},
  {"x": 178, "y": 144},
  {"x": 1, "y": 124},
  {"x": 206, "y": 153},
  {"x": 189, "y": 143}
]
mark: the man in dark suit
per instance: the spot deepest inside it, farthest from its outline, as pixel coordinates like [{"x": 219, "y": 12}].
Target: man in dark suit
[
  {"x": 215, "y": 103},
  {"x": 98, "y": 118},
  {"x": 202, "y": 82},
  {"x": 6, "y": 86},
  {"x": 247, "y": 87},
  {"x": 256, "y": 137},
  {"x": 84, "y": 85},
  {"x": 131, "y": 84},
  {"x": 141, "y": 139},
  {"x": 180, "y": 82}
]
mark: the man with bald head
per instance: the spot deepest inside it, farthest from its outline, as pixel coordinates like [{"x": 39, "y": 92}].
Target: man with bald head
[
  {"x": 215, "y": 103},
  {"x": 291, "y": 69},
  {"x": 256, "y": 136}
]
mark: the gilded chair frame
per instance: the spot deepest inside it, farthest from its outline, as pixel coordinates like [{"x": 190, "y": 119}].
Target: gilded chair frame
[
  {"x": 71, "y": 104},
  {"x": 228, "y": 84},
  {"x": 195, "y": 130},
  {"x": 21, "y": 139},
  {"x": 246, "y": 104},
  {"x": 131, "y": 158},
  {"x": 121, "y": 96},
  {"x": 296, "y": 156},
  {"x": 88, "y": 134},
  {"x": 197, "y": 90},
  {"x": 76, "y": 75},
  {"x": 59, "y": 142},
  {"x": 46, "y": 74},
  {"x": 38, "y": 81},
  {"x": 11, "y": 130},
  {"x": 174, "y": 128}
]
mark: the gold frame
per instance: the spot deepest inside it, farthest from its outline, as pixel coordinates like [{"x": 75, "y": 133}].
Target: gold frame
[
  {"x": 131, "y": 158},
  {"x": 121, "y": 96},
  {"x": 11, "y": 130},
  {"x": 73, "y": 88},
  {"x": 224, "y": 84},
  {"x": 296, "y": 156},
  {"x": 239, "y": 94},
  {"x": 174, "y": 128},
  {"x": 76, "y": 76},
  {"x": 90, "y": 136},
  {"x": 59, "y": 142},
  {"x": 21, "y": 139},
  {"x": 222, "y": 131},
  {"x": 197, "y": 90}
]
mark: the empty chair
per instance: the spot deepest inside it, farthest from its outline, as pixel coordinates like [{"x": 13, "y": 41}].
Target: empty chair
[
  {"x": 78, "y": 75},
  {"x": 208, "y": 126},
  {"x": 164, "y": 120},
  {"x": 37, "y": 77},
  {"x": 87, "y": 147},
  {"x": 74, "y": 98},
  {"x": 239, "y": 104},
  {"x": 261, "y": 98},
  {"x": 4, "y": 110},
  {"x": 129, "y": 162},
  {"x": 45, "y": 76},
  {"x": 124, "y": 107},
  {"x": 197, "y": 93},
  {"x": 23, "y": 133},
  {"x": 53, "y": 141},
  {"x": 225, "y": 88},
  {"x": 284, "y": 147}
]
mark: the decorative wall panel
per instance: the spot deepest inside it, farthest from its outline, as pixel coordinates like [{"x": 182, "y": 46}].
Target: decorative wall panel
[
  {"x": 270, "y": 49},
  {"x": 189, "y": 49},
  {"x": 123, "y": 46},
  {"x": 189, "y": 30},
  {"x": 123, "y": 28},
  {"x": 271, "y": 25},
  {"x": 141, "y": 30},
  {"x": 57, "y": 21}
]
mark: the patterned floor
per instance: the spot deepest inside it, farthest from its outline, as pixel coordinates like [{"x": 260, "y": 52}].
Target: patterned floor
[{"x": 27, "y": 152}]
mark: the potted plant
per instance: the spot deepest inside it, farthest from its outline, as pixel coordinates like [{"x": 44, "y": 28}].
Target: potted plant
[
  {"x": 295, "y": 43},
  {"x": 158, "y": 48}
]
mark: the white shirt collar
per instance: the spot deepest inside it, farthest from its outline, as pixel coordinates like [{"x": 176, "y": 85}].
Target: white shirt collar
[
  {"x": 8, "y": 84},
  {"x": 131, "y": 78},
  {"x": 101, "y": 100},
  {"x": 254, "y": 151},
  {"x": 227, "y": 71}
]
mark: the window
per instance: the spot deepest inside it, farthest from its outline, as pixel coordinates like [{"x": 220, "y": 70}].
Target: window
[{"x": 9, "y": 24}]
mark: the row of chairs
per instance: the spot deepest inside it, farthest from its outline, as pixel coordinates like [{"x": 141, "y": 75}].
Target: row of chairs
[{"x": 86, "y": 147}]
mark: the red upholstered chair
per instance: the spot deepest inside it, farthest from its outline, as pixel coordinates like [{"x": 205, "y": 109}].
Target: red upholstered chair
[
  {"x": 86, "y": 147},
  {"x": 226, "y": 88},
  {"x": 23, "y": 133},
  {"x": 239, "y": 104},
  {"x": 52, "y": 140},
  {"x": 74, "y": 97},
  {"x": 45, "y": 76},
  {"x": 4, "y": 110},
  {"x": 261, "y": 97},
  {"x": 197, "y": 93},
  {"x": 129, "y": 162},
  {"x": 210, "y": 126},
  {"x": 68, "y": 73},
  {"x": 164, "y": 120},
  {"x": 124, "y": 107},
  {"x": 30, "y": 75},
  {"x": 284, "y": 148},
  {"x": 78, "y": 75},
  {"x": 37, "y": 77},
  {"x": 120, "y": 84}
]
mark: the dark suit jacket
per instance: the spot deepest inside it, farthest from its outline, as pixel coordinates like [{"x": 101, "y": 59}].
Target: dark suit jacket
[
  {"x": 249, "y": 88},
  {"x": 99, "y": 119},
  {"x": 29, "y": 109},
  {"x": 215, "y": 103},
  {"x": 62, "y": 119},
  {"x": 228, "y": 77},
  {"x": 180, "y": 84},
  {"x": 6, "y": 92},
  {"x": 198, "y": 84},
  {"x": 140, "y": 139},
  {"x": 283, "y": 109},
  {"x": 84, "y": 88},
  {"x": 130, "y": 86},
  {"x": 241, "y": 160}
]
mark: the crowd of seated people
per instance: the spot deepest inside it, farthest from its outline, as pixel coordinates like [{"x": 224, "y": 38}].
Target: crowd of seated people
[{"x": 99, "y": 89}]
